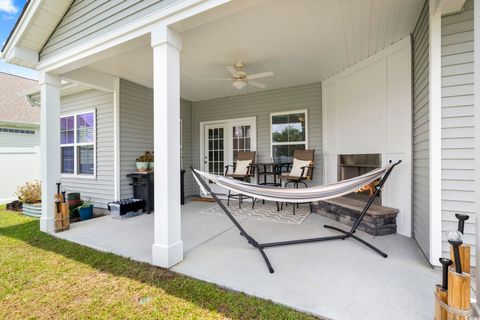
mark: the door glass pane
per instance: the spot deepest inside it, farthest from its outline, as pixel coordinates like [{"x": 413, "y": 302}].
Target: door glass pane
[
  {"x": 241, "y": 140},
  {"x": 215, "y": 150}
]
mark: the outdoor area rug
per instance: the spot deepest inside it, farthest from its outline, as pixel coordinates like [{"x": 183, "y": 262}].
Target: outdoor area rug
[{"x": 264, "y": 212}]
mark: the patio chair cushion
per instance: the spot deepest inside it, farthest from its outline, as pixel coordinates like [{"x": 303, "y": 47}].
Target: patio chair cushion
[
  {"x": 297, "y": 167},
  {"x": 241, "y": 167}
]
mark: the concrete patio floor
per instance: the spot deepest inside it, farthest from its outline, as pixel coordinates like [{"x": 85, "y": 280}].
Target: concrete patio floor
[{"x": 334, "y": 280}]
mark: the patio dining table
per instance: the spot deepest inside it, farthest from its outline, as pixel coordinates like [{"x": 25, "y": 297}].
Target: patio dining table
[{"x": 271, "y": 169}]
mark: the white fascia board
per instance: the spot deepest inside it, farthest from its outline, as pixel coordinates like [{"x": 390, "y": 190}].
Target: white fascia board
[
  {"x": 167, "y": 16},
  {"x": 92, "y": 78},
  {"x": 20, "y": 29}
]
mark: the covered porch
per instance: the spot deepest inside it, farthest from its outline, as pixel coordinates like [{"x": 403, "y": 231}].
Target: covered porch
[{"x": 335, "y": 280}]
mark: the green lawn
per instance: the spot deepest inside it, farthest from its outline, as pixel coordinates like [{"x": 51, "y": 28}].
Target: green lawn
[{"x": 42, "y": 277}]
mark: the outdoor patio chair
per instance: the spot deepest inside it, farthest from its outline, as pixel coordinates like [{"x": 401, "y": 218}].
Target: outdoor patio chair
[
  {"x": 243, "y": 169},
  {"x": 301, "y": 170}
]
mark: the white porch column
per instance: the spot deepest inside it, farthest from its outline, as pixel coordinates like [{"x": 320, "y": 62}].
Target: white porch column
[
  {"x": 476, "y": 80},
  {"x": 168, "y": 246},
  {"x": 49, "y": 145}
]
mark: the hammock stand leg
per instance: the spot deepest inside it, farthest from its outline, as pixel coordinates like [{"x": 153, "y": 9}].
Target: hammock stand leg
[
  {"x": 243, "y": 233},
  {"x": 346, "y": 234}
]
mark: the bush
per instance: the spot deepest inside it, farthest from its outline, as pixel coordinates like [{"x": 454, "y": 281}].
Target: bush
[{"x": 30, "y": 192}]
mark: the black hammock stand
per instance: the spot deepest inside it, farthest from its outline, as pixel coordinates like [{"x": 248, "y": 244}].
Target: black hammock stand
[{"x": 345, "y": 234}]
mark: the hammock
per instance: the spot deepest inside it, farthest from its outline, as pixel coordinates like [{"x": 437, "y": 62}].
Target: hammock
[{"x": 278, "y": 194}]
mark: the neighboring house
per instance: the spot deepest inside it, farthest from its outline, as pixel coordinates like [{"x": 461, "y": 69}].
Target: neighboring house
[
  {"x": 393, "y": 78},
  {"x": 19, "y": 135}
]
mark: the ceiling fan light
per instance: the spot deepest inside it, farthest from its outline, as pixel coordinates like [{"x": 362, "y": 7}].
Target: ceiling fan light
[{"x": 239, "y": 84}]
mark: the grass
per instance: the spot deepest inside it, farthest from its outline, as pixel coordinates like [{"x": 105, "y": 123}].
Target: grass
[{"x": 42, "y": 277}]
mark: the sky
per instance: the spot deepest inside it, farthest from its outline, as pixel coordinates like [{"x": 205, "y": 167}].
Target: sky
[{"x": 9, "y": 12}]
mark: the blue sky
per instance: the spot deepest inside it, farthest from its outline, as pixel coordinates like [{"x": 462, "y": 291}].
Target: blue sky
[{"x": 9, "y": 12}]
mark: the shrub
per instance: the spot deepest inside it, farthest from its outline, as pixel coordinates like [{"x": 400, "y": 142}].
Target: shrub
[{"x": 30, "y": 192}]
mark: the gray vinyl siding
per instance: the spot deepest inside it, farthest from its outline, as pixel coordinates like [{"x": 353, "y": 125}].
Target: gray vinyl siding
[
  {"x": 87, "y": 20},
  {"x": 136, "y": 129},
  {"x": 187, "y": 145},
  {"x": 136, "y": 132},
  {"x": 260, "y": 105},
  {"x": 19, "y": 140},
  {"x": 421, "y": 134},
  {"x": 98, "y": 189},
  {"x": 458, "y": 157}
]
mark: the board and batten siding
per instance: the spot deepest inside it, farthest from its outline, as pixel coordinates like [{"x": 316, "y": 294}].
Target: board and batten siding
[
  {"x": 98, "y": 189},
  {"x": 19, "y": 140},
  {"x": 136, "y": 132},
  {"x": 421, "y": 134},
  {"x": 87, "y": 20},
  {"x": 261, "y": 105},
  {"x": 458, "y": 155},
  {"x": 136, "y": 129}
]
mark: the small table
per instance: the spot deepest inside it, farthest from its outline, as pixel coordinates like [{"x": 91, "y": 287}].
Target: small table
[{"x": 269, "y": 169}]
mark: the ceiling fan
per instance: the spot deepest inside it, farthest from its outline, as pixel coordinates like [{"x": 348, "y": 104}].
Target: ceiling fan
[{"x": 240, "y": 79}]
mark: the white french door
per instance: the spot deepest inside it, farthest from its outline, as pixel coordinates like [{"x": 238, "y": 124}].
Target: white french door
[{"x": 221, "y": 141}]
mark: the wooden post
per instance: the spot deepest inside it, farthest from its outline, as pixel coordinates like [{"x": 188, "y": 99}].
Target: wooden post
[
  {"x": 458, "y": 293},
  {"x": 442, "y": 295},
  {"x": 464, "y": 258}
]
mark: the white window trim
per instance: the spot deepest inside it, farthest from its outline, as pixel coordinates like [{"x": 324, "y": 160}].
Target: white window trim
[
  {"x": 75, "y": 146},
  {"x": 291, "y": 142}
]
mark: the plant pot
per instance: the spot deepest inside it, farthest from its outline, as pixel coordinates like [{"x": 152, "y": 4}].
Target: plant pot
[
  {"x": 32, "y": 209},
  {"x": 86, "y": 213},
  {"x": 150, "y": 165},
  {"x": 142, "y": 166}
]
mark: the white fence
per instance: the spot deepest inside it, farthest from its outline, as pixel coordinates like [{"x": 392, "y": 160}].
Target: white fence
[{"x": 17, "y": 166}]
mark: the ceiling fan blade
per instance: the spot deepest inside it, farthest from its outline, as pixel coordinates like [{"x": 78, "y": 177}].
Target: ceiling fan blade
[
  {"x": 218, "y": 79},
  {"x": 256, "y": 84},
  {"x": 232, "y": 70},
  {"x": 260, "y": 75}
]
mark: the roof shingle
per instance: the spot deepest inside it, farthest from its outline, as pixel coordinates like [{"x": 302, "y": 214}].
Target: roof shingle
[{"x": 12, "y": 107}]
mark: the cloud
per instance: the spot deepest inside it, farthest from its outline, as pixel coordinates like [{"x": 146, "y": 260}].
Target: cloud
[
  {"x": 6, "y": 17},
  {"x": 8, "y": 6}
]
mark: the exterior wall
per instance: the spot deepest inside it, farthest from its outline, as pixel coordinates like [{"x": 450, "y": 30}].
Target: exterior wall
[
  {"x": 136, "y": 129},
  {"x": 260, "y": 105},
  {"x": 136, "y": 132},
  {"x": 420, "y": 135},
  {"x": 16, "y": 140},
  {"x": 458, "y": 156},
  {"x": 187, "y": 145},
  {"x": 98, "y": 189},
  {"x": 86, "y": 20}
]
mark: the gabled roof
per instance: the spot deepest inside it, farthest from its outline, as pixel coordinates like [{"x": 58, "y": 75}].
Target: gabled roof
[
  {"x": 14, "y": 108},
  {"x": 36, "y": 23}
]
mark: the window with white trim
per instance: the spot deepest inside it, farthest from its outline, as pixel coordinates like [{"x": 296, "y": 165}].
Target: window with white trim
[
  {"x": 77, "y": 144},
  {"x": 288, "y": 133}
]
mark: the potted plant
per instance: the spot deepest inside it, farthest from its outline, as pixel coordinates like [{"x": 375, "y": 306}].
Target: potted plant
[
  {"x": 30, "y": 194},
  {"x": 151, "y": 162},
  {"x": 143, "y": 161},
  {"x": 85, "y": 210}
]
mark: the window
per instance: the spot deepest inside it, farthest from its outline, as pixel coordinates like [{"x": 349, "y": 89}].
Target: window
[
  {"x": 18, "y": 131},
  {"x": 241, "y": 139},
  {"x": 288, "y": 133},
  {"x": 77, "y": 144}
]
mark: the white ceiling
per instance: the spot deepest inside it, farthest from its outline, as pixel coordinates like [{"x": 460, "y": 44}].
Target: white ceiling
[{"x": 303, "y": 41}]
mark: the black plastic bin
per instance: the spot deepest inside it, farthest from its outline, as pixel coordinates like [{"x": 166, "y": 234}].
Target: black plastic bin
[{"x": 142, "y": 183}]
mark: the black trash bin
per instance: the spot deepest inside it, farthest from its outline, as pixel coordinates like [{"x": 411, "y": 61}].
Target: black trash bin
[{"x": 142, "y": 183}]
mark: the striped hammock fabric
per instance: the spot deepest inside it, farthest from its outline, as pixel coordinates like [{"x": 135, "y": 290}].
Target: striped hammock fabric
[{"x": 278, "y": 194}]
